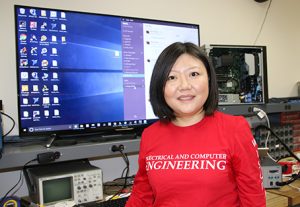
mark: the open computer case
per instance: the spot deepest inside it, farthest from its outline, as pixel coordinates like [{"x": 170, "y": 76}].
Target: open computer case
[{"x": 241, "y": 73}]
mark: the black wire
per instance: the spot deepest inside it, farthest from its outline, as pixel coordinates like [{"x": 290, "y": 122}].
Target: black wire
[
  {"x": 13, "y": 121},
  {"x": 278, "y": 138},
  {"x": 262, "y": 25},
  {"x": 125, "y": 157},
  {"x": 294, "y": 176},
  {"x": 20, "y": 178},
  {"x": 126, "y": 170}
]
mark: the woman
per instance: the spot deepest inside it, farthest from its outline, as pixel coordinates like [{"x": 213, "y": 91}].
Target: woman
[{"x": 194, "y": 155}]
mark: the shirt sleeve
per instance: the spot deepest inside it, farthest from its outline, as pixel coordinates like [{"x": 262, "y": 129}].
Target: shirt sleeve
[
  {"x": 142, "y": 194},
  {"x": 246, "y": 167}
]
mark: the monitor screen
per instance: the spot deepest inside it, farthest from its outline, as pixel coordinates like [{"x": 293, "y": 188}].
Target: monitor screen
[
  {"x": 86, "y": 72},
  {"x": 57, "y": 190}
]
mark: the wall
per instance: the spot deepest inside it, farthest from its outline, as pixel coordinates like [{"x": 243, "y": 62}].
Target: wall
[{"x": 221, "y": 22}]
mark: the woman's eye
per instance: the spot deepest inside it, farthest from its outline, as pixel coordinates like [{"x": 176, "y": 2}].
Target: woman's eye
[
  {"x": 171, "y": 77},
  {"x": 193, "y": 74}
]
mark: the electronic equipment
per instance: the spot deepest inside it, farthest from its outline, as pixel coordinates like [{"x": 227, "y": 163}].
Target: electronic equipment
[
  {"x": 119, "y": 202},
  {"x": 11, "y": 201},
  {"x": 272, "y": 172},
  {"x": 80, "y": 72},
  {"x": 241, "y": 73},
  {"x": 75, "y": 181}
]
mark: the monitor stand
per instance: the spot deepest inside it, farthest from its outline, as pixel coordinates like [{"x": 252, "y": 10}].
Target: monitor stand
[{"x": 56, "y": 140}]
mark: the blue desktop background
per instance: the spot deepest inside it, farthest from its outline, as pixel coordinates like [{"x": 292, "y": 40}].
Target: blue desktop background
[{"x": 89, "y": 70}]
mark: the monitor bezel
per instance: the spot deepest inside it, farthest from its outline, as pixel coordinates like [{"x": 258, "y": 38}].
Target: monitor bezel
[{"x": 136, "y": 129}]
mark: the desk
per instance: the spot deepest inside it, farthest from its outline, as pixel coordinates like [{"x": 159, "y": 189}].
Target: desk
[
  {"x": 285, "y": 196},
  {"x": 274, "y": 200}
]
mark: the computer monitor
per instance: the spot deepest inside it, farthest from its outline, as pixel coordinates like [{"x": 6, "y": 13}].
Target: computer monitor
[{"x": 80, "y": 72}]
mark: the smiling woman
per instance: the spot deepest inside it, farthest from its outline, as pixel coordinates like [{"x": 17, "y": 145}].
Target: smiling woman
[{"x": 193, "y": 148}]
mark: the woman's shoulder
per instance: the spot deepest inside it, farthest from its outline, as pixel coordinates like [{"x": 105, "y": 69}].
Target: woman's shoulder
[{"x": 229, "y": 119}]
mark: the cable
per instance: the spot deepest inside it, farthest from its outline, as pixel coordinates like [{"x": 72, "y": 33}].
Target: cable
[
  {"x": 278, "y": 138},
  {"x": 13, "y": 121},
  {"x": 288, "y": 182},
  {"x": 120, "y": 149},
  {"x": 262, "y": 25},
  {"x": 294, "y": 176},
  {"x": 20, "y": 180},
  {"x": 262, "y": 114}
]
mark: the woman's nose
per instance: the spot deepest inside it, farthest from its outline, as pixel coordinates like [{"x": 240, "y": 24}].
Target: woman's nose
[{"x": 184, "y": 83}]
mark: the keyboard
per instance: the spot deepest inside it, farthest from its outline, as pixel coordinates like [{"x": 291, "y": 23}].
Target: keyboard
[{"x": 120, "y": 202}]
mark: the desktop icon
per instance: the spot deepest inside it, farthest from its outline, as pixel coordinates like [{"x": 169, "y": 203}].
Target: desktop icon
[
  {"x": 44, "y": 50},
  {"x": 34, "y": 75},
  {"x": 22, "y": 24},
  {"x": 63, "y": 15},
  {"x": 33, "y": 38},
  {"x": 43, "y": 13},
  {"x": 34, "y": 62},
  {"x": 55, "y": 75},
  {"x": 54, "y": 63},
  {"x": 117, "y": 53},
  {"x": 24, "y": 88},
  {"x": 53, "y": 14},
  {"x": 24, "y": 76},
  {"x": 23, "y": 51},
  {"x": 33, "y": 24},
  {"x": 56, "y": 112},
  {"x": 23, "y": 62},
  {"x": 45, "y": 76},
  {"x": 32, "y": 12},
  {"x": 25, "y": 101},
  {"x": 23, "y": 37},
  {"x": 55, "y": 100},
  {"x": 53, "y": 26},
  {"x": 44, "y": 63},
  {"x": 53, "y": 38},
  {"x": 63, "y": 27},
  {"x": 43, "y": 38},
  {"x": 25, "y": 114},
  {"x": 44, "y": 26},
  {"x": 55, "y": 88},
  {"x": 46, "y": 113},
  {"x": 35, "y": 114},
  {"x": 33, "y": 50},
  {"x": 45, "y": 89},
  {"x": 54, "y": 51},
  {"x": 35, "y": 100},
  {"x": 35, "y": 88},
  {"x": 46, "y": 100},
  {"x": 22, "y": 11}
]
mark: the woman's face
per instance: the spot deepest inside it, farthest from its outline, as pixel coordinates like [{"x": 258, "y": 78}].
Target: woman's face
[{"x": 186, "y": 89}]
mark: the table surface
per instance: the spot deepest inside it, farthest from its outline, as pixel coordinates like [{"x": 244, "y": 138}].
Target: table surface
[{"x": 284, "y": 196}]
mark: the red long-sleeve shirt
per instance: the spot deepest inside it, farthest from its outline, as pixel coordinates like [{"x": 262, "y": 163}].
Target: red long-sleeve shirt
[{"x": 212, "y": 163}]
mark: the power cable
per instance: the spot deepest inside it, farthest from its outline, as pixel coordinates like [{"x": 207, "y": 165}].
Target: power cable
[{"x": 263, "y": 23}]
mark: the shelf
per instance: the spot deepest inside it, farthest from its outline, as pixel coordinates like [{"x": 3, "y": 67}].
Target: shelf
[
  {"x": 268, "y": 108},
  {"x": 15, "y": 156}
]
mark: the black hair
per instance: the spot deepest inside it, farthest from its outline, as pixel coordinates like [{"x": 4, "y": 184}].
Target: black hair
[{"x": 161, "y": 71}]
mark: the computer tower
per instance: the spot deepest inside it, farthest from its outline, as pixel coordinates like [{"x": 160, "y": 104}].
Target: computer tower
[{"x": 241, "y": 73}]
